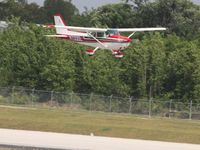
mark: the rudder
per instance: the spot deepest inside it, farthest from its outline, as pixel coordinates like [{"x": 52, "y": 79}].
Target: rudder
[{"x": 59, "y": 21}]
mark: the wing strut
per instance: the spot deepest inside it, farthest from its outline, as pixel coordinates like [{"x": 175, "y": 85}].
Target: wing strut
[
  {"x": 97, "y": 40},
  {"x": 131, "y": 35},
  {"x": 96, "y": 49}
]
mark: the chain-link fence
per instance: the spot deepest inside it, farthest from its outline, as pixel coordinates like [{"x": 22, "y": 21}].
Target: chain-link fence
[{"x": 92, "y": 102}]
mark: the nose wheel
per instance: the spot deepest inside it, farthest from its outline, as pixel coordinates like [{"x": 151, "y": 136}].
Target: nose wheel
[
  {"x": 117, "y": 53},
  {"x": 91, "y": 52}
]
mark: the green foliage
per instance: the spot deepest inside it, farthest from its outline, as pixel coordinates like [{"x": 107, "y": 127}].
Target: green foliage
[
  {"x": 156, "y": 65},
  {"x": 3, "y": 100},
  {"x": 66, "y": 8},
  {"x": 113, "y": 16},
  {"x": 103, "y": 74},
  {"x": 17, "y": 98},
  {"x": 29, "y": 58},
  {"x": 181, "y": 67},
  {"x": 28, "y": 12},
  {"x": 34, "y": 13}
]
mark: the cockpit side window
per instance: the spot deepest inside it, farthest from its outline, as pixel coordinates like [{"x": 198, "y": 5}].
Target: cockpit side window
[
  {"x": 98, "y": 34},
  {"x": 94, "y": 34},
  {"x": 112, "y": 32}
]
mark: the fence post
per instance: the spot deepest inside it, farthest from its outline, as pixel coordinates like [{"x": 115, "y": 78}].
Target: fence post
[
  {"x": 190, "y": 115},
  {"x": 170, "y": 108},
  {"x": 90, "y": 105},
  {"x": 13, "y": 93},
  {"x": 51, "y": 98},
  {"x": 71, "y": 99},
  {"x": 110, "y": 104},
  {"x": 130, "y": 104},
  {"x": 150, "y": 103},
  {"x": 32, "y": 93}
]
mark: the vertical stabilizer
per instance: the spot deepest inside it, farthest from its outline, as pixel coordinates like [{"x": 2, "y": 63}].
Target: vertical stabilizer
[{"x": 59, "y": 21}]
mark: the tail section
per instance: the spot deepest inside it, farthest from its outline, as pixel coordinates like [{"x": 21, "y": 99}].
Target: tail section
[{"x": 59, "y": 21}]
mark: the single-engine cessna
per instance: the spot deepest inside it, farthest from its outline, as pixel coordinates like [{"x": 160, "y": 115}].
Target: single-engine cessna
[{"x": 99, "y": 38}]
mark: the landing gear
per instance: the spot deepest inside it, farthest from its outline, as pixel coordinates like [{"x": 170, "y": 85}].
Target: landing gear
[
  {"x": 117, "y": 53},
  {"x": 91, "y": 52}
]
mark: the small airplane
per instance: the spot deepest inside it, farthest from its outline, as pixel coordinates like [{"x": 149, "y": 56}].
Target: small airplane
[{"x": 99, "y": 38}]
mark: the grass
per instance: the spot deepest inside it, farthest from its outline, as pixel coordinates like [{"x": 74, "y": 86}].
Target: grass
[{"x": 101, "y": 124}]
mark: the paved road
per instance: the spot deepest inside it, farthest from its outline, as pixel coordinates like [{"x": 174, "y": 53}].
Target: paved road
[{"x": 82, "y": 142}]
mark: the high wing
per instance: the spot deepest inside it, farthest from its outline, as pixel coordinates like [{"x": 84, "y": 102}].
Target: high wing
[
  {"x": 134, "y": 30},
  {"x": 85, "y": 29},
  {"x": 140, "y": 29}
]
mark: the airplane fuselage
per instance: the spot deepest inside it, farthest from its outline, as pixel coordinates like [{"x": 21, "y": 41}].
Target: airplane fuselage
[{"x": 112, "y": 42}]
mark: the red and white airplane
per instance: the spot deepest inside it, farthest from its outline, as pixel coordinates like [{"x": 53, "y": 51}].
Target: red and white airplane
[{"x": 99, "y": 38}]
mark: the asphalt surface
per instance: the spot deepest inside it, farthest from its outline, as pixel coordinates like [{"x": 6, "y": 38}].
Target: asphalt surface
[{"x": 81, "y": 142}]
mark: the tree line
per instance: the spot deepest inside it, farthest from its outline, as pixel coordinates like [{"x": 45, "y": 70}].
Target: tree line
[{"x": 164, "y": 65}]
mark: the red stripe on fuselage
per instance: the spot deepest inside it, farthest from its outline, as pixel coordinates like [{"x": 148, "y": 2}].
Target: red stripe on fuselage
[
  {"x": 119, "y": 39},
  {"x": 104, "y": 41}
]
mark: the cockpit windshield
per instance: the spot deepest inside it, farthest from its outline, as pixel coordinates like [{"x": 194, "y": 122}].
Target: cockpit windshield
[{"x": 112, "y": 32}]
